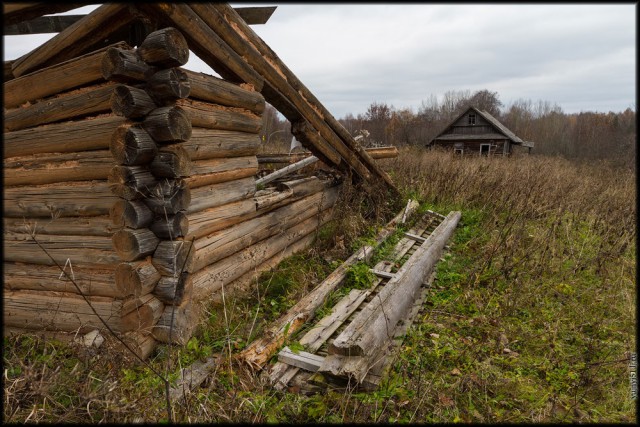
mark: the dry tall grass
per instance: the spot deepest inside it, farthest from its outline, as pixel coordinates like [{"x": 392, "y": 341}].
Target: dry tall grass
[{"x": 532, "y": 317}]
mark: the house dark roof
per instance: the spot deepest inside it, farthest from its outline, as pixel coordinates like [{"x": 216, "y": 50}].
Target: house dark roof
[{"x": 502, "y": 131}]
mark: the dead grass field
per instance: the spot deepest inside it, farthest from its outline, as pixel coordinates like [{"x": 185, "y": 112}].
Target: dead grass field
[{"x": 532, "y": 317}]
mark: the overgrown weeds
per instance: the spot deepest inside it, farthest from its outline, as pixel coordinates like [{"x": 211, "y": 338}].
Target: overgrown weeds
[{"x": 531, "y": 319}]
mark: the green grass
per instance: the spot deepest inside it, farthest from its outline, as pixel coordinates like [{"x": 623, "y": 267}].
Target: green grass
[{"x": 531, "y": 319}]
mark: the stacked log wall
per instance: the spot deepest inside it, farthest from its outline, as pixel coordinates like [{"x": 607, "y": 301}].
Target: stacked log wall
[{"x": 139, "y": 178}]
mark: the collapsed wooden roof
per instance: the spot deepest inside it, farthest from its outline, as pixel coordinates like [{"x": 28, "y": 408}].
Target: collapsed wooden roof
[{"x": 220, "y": 37}]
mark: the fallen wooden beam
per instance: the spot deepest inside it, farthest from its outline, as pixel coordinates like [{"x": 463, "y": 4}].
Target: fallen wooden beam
[
  {"x": 286, "y": 170},
  {"x": 375, "y": 153},
  {"x": 302, "y": 359},
  {"x": 376, "y": 322},
  {"x": 259, "y": 351}
]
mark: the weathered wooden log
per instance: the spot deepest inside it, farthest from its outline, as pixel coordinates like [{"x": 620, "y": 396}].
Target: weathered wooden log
[
  {"x": 49, "y": 168},
  {"x": 258, "y": 352},
  {"x": 124, "y": 66},
  {"x": 165, "y": 48},
  {"x": 214, "y": 143},
  {"x": 94, "y": 251},
  {"x": 286, "y": 170},
  {"x": 211, "y": 278},
  {"x": 131, "y": 102},
  {"x": 8, "y": 75},
  {"x": 207, "y": 221},
  {"x": 136, "y": 278},
  {"x": 169, "y": 227},
  {"x": 130, "y": 213},
  {"x": 168, "y": 124},
  {"x": 171, "y": 290},
  {"x": 243, "y": 43},
  {"x": 212, "y": 116},
  {"x": 231, "y": 240},
  {"x": 77, "y": 226},
  {"x": 68, "y": 312},
  {"x": 165, "y": 86},
  {"x": 79, "y": 103},
  {"x": 15, "y": 13},
  {"x": 289, "y": 85},
  {"x": 66, "y": 137},
  {"x": 59, "y": 78},
  {"x": 66, "y": 199},
  {"x": 268, "y": 198},
  {"x": 206, "y": 172},
  {"x": 312, "y": 140},
  {"x": 217, "y": 91},
  {"x": 289, "y": 192},
  {"x": 131, "y": 145},
  {"x": 374, "y": 152},
  {"x": 134, "y": 244},
  {"x": 214, "y": 195},
  {"x": 169, "y": 197},
  {"x": 142, "y": 343},
  {"x": 19, "y": 276},
  {"x": 205, "y": 43},
  {"x": 246, "y": 281},
  {"x": 177, "y": 323},
  {"x": 75, "y": 39},
  {"x": 369, "y": 329},
  {"x": 173, "y": 162},
  {"x": 171, "y": 258},
  {"x": 131, "y": 182}
]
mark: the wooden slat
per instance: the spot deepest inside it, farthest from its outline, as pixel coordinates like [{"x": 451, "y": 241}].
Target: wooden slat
[
  {"x": 382, "y": 274},
  {"x": 322, "y": 330},
  {"x": 302, "y": 359},
  {"x": 418, "y": 239}
]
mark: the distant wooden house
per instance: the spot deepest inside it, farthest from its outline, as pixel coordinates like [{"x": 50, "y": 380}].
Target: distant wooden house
[{"x": 478, "y": 132}]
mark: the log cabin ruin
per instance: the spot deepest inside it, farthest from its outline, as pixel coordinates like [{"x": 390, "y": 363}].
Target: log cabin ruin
[
  {"x": 139, "y": 177},
  {"x": 134, "y": 193}
]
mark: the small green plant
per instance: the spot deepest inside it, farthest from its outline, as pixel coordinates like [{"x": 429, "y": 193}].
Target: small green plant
[{"x": 359, "y": 276}]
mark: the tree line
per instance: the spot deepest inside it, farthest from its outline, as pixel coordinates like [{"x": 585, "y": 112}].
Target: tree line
[{"x": 583, "y": 136}]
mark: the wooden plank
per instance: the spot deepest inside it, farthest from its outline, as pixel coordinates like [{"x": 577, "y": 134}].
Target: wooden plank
[
  {"x": 286, "y": 170},
  {"x": 206, "y": 172},
  {"x": 192, "y": 376},
  {"x": 66, "y": 137},
  {"x": 76, "y": 39},
  {"x": 302, "y": 359}
]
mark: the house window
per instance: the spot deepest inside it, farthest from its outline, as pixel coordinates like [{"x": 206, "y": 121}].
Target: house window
[
  {"x": 472, "y": 118},
  {"x": 485, "y": 149},
  {"x": 458, "y": 151}
]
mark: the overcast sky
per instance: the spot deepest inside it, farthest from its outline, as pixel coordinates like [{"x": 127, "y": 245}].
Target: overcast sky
[{"x": 579, "y": 56}]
